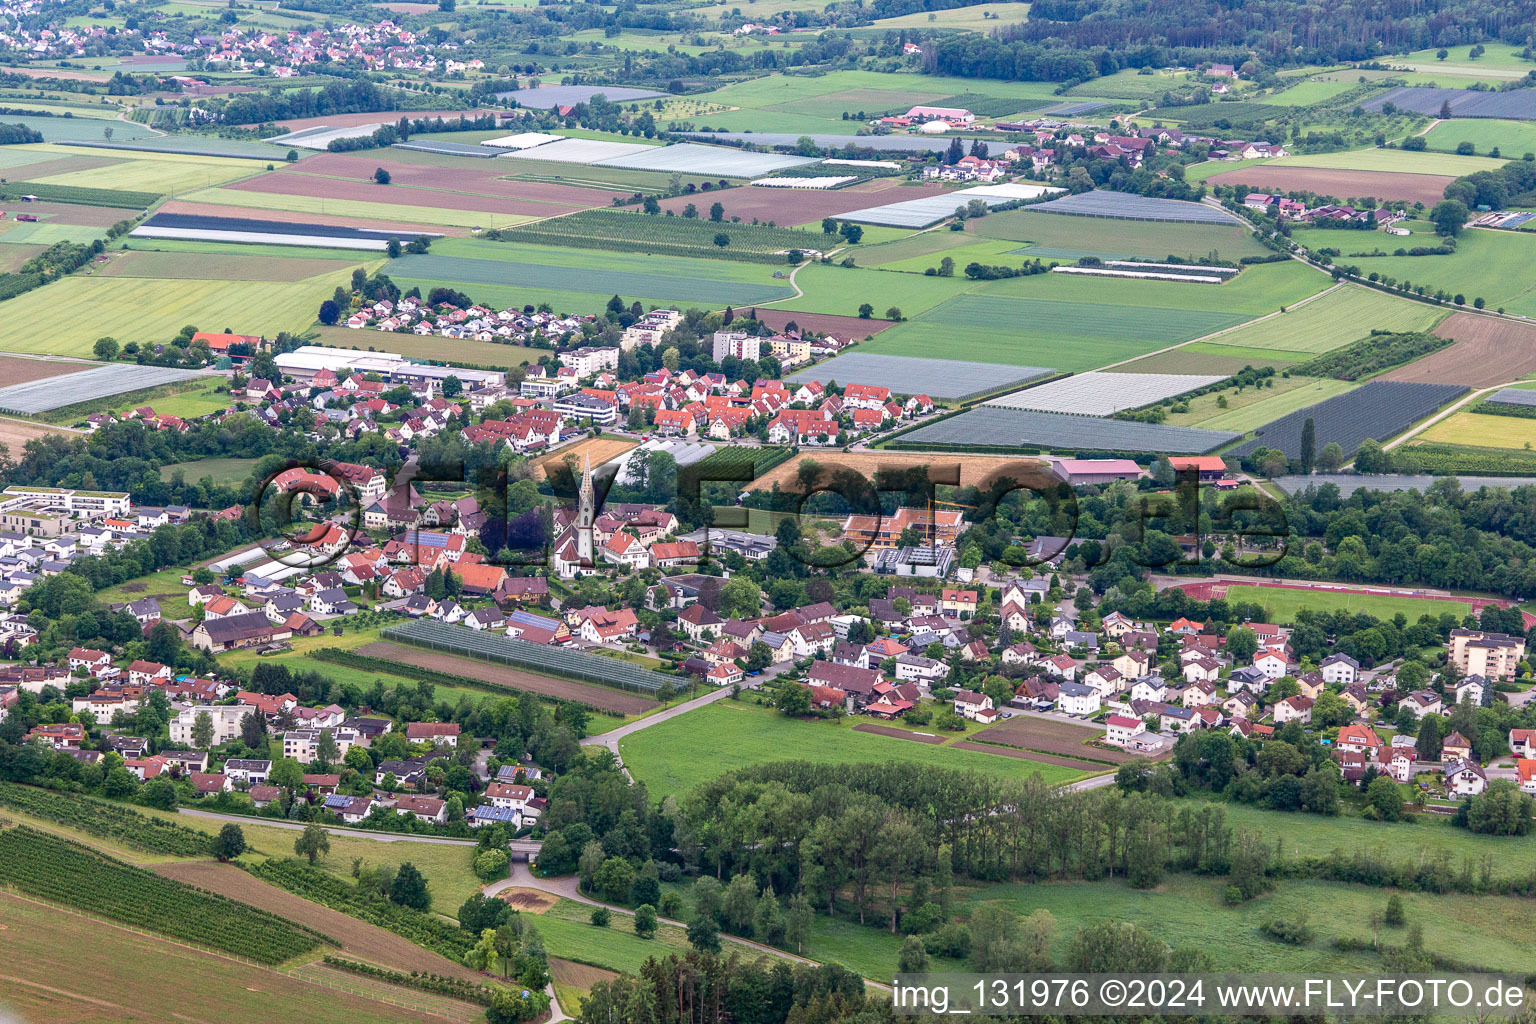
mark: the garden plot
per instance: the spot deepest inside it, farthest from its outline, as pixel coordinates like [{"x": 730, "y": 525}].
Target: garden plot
[
  {"x": 1100, "y": 394},
  {"x": 910, "y": 375},
  {"x": 1133, "y": 207},
  {"x": 99, "y": 382},
  {"x": 991, "y": 427},
  {"x": 919, "y": 213}
]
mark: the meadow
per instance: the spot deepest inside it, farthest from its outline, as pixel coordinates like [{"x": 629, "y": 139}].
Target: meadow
[
  {"x": 1282, "y": 603},
  {"x": 1479, "y": 268},
  {"x": 166, "y": 173},
  {"x": 1309, "y": 91},
  {"x": 1188, "y": 911},
  {"x": 151, "y": 310},
  {"x": 1103, "y": 236},
  {"x": 229, "y": 472},
  {"x": 527, "y": 269},
  {"x": 1512, "y": 138},
  {"x": 1130, "y": 84},
  {"x": 1335, "y": 318},
  {"x": 398, "y": 212},
  {"x": 980, "y": 17},
  {"x": 1484, "y": 431},
  {"x": 1392, "y": 160},
  {"x": 668, "y": 758},
  {"x": 1253, "y": 407}
]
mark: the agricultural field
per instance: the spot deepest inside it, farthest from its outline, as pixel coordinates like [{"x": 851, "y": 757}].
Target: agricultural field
[
  {"x": 1333, "y": 319},
  {"x": 1131, "y": 84},
  {"x": 1251, "y": 408},
  {"x": 1309, "y": 91},
  {"x": 1046, "y": 235},
  {"x": 528, "y": 273},
  {"x": 600, "y": 450},
  {"x": 90, "y": 982},
  {"x": 1392, "y": 161},
  {"x": 1086, "y": 323},
  {"x": 1478, "y": 268},
  {"x": 1282, "y": 603},
  {"x": 1379, "y": 410},
  {"x": 195, "y": 266},
  {"x": 742, "y": 735},
  {"x": 911, "y": 375},
  {"x": 421, "y": 209},
  {"x": 15, "y": 370},
  {"x": 974, "y": 469},
  {"x": 465, "y": 351},
  {"x": 980, "y": 17},
  {"x": 167, "y": 173},
  {"x": 1342, "y": 184},
  {"x": 1484, "y": 430},
  {"x": 635, "y": 232},
  {"x": 1052, "y": 736},
  {"x": 1512, "y": 138},
  {"x": 1187, "y": 910},
  {"x": 152, "y": 310},
  {"x": 1487, "y": 351},
  {"x": 513, "y": 678}
]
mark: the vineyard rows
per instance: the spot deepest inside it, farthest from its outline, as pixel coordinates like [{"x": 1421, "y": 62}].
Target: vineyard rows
[
  {"x": 327, "y": 890},
  {"x": 739, "y": 460},
  {"x": 1380, "y": 410},
  {"x": 105, "y": 821},
  {"x": 61, "y": 871}
]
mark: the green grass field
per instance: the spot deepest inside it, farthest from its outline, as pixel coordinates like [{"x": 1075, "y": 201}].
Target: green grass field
[
  {"x": 222, "y": 471},
  {"x": 663, "y": 279},
  {"x": 190, "y": 403},
  {"x": 1336, "y": 318},
  {"x": 455, "y": 350},
  {"x": 1308, "y": 92},
  {"x": 978, "y": 18},
  {"x": 1484, "y": 431},
  {"x": 1398, "y": 160},
  {"x": 1130, "y": 84},
  {"x": 668, "y": 760},
  {"x": 1077, "y": 323},
  {"x": 148, "y": 310},
  {"x": 1282, "y": 604},
  {"x": 1254, "y": 407},
  {"x": 1107, "y": 237},
  {"x": 166, "y": 173},
  {"x": 399, "y": 212},
  {"x": 1513, "y": 138},
  {"x": 1188, "y": 911},
  {"x": 1480, "y": 266},
  {"x": 1496, "y": 57}
]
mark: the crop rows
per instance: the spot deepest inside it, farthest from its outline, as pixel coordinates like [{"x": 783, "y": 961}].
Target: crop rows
[
  {"x": 1379, "y": 410},
  {"x": 555, "y": 661},
  {"x": 619, "y": 231},
  {"x": 749, "y": 463},
  {"x": 105, "y": 821},
  {"x": 340, "y": 895},
  {"x": 61, "y": 871},
  {"x": 79, "y": 195}
]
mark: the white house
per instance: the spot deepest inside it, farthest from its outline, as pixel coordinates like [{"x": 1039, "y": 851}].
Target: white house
[
  {"x": 1119, "y": 729},
  {"x": 1340, "y": 668},
  {"x": 1077, "y": 699},
  {"x": 1464, "y": 778}
]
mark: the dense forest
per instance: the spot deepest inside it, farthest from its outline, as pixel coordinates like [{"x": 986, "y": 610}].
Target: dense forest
[{"x": 1080, "y": 39}]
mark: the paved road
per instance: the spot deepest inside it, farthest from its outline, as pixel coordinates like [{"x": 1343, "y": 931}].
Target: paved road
[{"x": 335, "y": 830}]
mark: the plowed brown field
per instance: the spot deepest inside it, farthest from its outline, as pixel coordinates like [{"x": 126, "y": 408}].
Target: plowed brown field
[
  {"x": 358, "y": 938},
  {"x": 973, "y": 468},
  {"x": 517, "y": 679},
  {"x": 1420, "y": 188},
  {"x": 1488, "y": 351}
]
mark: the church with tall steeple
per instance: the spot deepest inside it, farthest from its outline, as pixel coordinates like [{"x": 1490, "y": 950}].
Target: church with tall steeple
[{"x": 586, "y": 515}]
